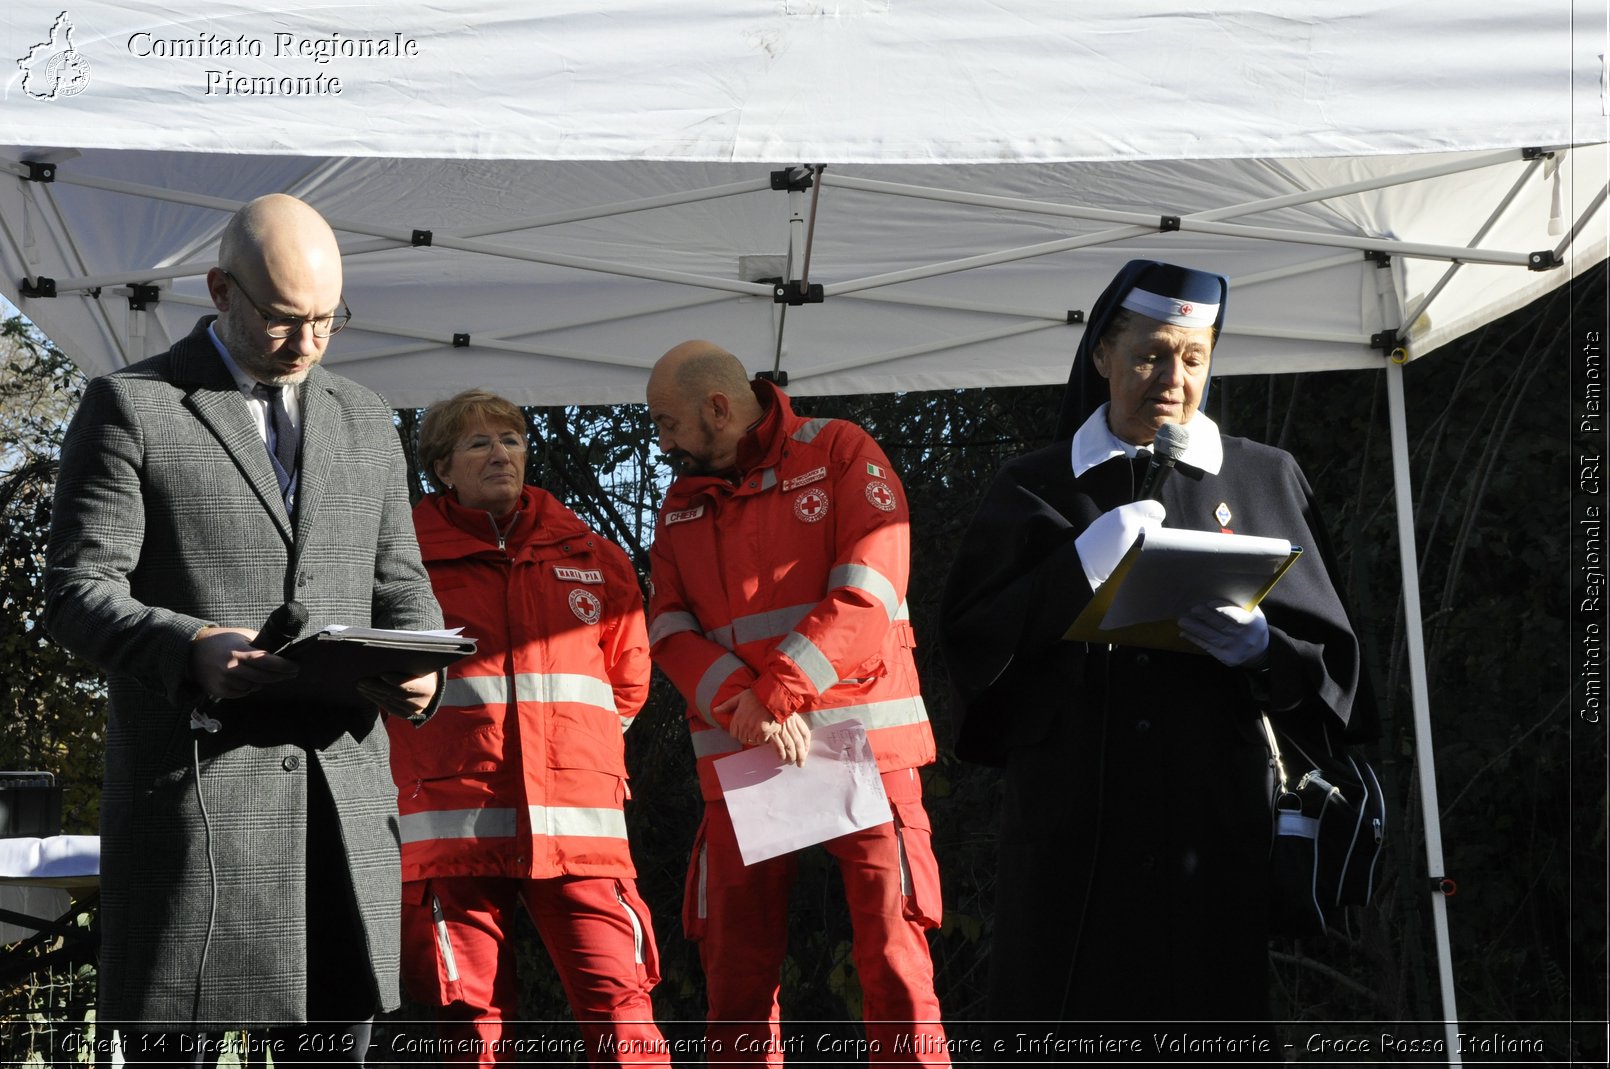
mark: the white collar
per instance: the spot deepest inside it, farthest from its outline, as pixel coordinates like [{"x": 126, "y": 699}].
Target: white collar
[{"x": 1095, "y": 443}]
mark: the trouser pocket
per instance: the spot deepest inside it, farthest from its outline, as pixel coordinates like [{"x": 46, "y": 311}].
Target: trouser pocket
[
  {"x": 645, "y": 951},
  {"x": 919, "y": 869},
  {"x": 695, "y": 907},
  {"x": 430, "y": 960}
]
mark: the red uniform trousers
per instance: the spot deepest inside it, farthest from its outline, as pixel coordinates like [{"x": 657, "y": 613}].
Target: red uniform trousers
[
  {"x": 458, "y": 953},
  {"x": 739, "y": 915}
]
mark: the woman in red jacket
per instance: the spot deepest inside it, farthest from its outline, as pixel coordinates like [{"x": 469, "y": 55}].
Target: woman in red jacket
[{"x": 514, "y": 790}]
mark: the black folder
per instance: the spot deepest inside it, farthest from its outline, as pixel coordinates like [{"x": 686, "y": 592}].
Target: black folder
[{"x": 333, "y": 661}]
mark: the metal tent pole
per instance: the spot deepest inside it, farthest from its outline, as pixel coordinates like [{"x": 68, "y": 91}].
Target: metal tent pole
[{"x": 1425, "y": 766}]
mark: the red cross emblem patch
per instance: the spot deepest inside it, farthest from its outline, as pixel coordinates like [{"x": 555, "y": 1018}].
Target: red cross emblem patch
[
  {"x": 586, "y": 606},
  {"x": 811, "y": 505},
  {"x": 881, "y": 496}
]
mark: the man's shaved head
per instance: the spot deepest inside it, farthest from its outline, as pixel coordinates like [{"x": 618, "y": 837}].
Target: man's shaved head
[
  {"x": 276, "y": 257},
  {"x": 701, "y": 404},
  {"x": 274, "y": 235},
  {"x": 696, "y": 369}
]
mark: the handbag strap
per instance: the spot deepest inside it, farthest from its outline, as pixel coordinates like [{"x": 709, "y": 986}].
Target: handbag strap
[{"x": 1274, "y": 752}]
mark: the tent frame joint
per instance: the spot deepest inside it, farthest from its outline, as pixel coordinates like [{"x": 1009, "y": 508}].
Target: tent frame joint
[
  {"x": 461, "y": 341},
  {"x": 1537, "y": 152},
  {"x": 792, "y": 180},
  {"x": 39, "y": 172},
  {"x": 42, "y": 286},
  {"x": 421, "y": 238},
  {"x": 795, "y": 294},
  {"x": 1378, "y": 258},
  {"x": 1387, "y": 340},
  {"x": 1544, "y": 260},
  {"x": 141, "y": 294},
  {"x": 1076, "y": 315},
  {"x": 1168, "y": 224},
  {"x": 780, "y": 377}
]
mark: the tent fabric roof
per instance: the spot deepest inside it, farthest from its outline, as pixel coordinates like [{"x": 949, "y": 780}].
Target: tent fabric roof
[
  {"x": 596, "y": 180},
  {"x": 846, "y": 81}
]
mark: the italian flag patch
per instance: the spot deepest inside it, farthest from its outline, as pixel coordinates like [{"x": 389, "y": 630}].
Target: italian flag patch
[{"x": 873, "y": 470}]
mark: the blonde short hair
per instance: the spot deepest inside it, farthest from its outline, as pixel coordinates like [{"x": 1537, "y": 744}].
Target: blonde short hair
[{"x": 445, "y": 421}]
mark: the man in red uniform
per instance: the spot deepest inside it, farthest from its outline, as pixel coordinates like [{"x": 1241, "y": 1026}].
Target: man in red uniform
[{"x": 778, "y": 606}]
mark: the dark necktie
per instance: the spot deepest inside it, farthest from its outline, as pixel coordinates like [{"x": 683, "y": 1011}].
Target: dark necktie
[{"x": 282, "y": 438}]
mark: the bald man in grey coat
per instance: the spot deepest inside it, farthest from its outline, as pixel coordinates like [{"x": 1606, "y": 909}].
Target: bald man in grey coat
[{"x": 250, "y": 873}]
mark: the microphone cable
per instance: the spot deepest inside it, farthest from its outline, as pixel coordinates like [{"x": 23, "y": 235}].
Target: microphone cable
[
  {"x": 212, "y": 878},
  {"x": 281, "y": 628}
]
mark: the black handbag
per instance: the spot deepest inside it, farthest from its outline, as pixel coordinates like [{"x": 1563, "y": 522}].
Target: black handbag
[{"x": 1329, "y": 826}]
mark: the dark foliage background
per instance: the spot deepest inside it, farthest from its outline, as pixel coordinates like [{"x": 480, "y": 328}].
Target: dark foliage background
[{"x": 1521, "y": 781}]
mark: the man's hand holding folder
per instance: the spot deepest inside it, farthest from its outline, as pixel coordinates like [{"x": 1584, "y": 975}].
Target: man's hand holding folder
[{"x": 357, "y": 668}]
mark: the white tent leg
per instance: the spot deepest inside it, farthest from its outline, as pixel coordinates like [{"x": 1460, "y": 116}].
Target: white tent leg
[
  {"x": 791, "y": 272},
  {"x": 1419, "y": 693}
]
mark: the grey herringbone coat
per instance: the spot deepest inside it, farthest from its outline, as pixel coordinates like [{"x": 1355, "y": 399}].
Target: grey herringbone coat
[{"x": 168, "y": 518}]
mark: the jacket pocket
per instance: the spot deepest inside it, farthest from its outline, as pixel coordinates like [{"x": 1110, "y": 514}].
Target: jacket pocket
[
  {"x": 588, "y": 737},
  {"x": 453, "y": 742}
]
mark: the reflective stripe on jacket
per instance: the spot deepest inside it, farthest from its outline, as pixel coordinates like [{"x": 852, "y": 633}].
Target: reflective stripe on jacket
[
  {"x": 521, "y": 772},
  {"x": 791, "y": 581}
]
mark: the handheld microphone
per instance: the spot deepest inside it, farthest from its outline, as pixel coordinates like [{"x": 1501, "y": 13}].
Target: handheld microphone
[
  {"x": 1170, "y": 444},
  {"x": 282, "y": 627}
]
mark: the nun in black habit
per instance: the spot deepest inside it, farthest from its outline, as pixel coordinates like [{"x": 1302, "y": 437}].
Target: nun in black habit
[{"x": 1136, "y": 826}]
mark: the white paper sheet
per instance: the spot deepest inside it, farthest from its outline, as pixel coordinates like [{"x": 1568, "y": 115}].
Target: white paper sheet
[
  {"x": 778, "y": 808},
  {"x": 381, "y": 632}
]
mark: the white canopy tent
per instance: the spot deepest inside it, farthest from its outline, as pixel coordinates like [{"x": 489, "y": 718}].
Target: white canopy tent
[
  {"x": 543, "y": 203},
  {"x": 595, "y": 180}
]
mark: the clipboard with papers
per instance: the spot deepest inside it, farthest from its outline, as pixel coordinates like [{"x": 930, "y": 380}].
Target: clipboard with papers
[
  {"x": 335, "y": 658},
  {"x": 1166, "y": 572}
]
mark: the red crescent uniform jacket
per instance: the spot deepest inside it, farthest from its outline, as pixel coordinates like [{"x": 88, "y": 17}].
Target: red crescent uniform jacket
[
  {"x": 521, "y": 772},
  {"x": 792, "y": 581}
]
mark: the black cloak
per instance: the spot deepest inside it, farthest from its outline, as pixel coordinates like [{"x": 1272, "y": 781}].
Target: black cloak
[{"x": 1136, "y": 824}]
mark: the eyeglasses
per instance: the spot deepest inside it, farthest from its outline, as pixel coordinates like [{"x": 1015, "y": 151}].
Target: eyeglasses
[
  {"x": 282, "y": 327},
  {"x": 482, "y": 443}
]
